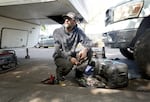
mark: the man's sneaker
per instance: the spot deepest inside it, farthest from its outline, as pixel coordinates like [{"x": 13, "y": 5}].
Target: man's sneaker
[
  {"x": 62, "y": 83},
  {"x": 65, "y": 83},
  {"x": 63, "y": 78}
]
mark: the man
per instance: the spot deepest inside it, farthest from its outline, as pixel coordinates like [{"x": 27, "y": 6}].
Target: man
[{"x": 66, "y": 40}]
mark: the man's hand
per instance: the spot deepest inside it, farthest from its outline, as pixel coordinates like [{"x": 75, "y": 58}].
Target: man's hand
[
  {"x": 74, "y": 61},
  {"x": 82, "y": 54}
]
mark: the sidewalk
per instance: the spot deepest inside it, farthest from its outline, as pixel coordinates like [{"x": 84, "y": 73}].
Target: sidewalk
[{"x": 23, "y": 84}]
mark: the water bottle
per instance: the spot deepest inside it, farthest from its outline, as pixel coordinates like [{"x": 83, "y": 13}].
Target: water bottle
[{"x": 89, "y": 70}]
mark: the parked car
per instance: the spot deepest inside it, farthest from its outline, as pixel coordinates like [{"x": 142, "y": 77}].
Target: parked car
[{"x": 45, "y": 42}]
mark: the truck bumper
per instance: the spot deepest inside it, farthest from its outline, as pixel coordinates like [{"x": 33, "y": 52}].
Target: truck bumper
[{"x": 119, "y": 38}]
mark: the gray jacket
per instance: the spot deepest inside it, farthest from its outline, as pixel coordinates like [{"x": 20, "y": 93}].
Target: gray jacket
[{"x": 66, "y": 43}]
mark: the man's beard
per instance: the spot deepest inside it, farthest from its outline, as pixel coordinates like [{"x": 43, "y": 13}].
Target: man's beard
[{"x": 67, "y": 26}]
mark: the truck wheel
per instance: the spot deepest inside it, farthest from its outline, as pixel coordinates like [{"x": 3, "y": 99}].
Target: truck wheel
[
  {"x": 142, "y": 54},
  {"x": 126, "y": 53}
]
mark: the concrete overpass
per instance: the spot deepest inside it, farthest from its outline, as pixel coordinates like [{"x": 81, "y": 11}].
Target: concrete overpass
[
  {"x": 20, "y": 20},
  {"x": 41, "y": 11}
]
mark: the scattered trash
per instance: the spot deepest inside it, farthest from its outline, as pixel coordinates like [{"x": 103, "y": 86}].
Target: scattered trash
[{"x": 91, "y": 82}]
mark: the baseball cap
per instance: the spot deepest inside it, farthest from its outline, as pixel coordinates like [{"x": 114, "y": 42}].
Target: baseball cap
[{"x": 71, "y": 15}]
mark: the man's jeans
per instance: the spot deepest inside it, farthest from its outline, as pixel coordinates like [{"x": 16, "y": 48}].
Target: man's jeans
[{"x": 64, "y": 66}]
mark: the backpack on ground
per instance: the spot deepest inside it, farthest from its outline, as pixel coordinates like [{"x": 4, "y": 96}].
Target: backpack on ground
[
  {"x": 104, "y": 73},
  {"x": 114, "y": 73}
]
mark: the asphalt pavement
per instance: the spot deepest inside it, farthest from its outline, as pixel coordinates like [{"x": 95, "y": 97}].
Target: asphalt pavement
[{"x": 23, "y": 84}]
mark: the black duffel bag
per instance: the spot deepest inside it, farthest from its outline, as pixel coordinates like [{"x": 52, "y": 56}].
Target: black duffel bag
[{"x": 114, "y": 73}]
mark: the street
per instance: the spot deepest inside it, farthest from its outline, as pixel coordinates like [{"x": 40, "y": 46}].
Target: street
[{"x": 23, "y": 83}]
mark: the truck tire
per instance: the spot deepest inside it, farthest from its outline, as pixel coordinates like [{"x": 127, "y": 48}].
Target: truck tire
[
  {"x": 126, "y": 53},
  {"x": 142, "y": 54}
]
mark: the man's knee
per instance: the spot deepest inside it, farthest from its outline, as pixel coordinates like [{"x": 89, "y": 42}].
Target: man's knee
[{"x": 62, "y": 62}]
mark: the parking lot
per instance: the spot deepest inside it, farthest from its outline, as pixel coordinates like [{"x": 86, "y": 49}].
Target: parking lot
[{"x": 23, "y": 83}]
